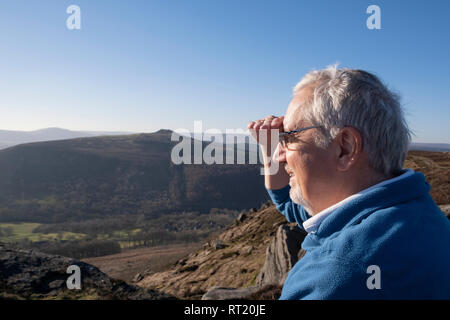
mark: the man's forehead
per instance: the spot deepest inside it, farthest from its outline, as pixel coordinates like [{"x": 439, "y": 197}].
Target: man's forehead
[{"x": 294, "y": 113}]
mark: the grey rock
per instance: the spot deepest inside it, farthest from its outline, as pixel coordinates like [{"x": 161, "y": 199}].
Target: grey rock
[
  {"x": 277, "y": 224},
  {"x": 56, "y": 284},
  {"x": 267, "y": 204},
  {"x": 223, "y": 293},
  {"x": 138, "y": 277},
  {"x": 31, "y": 274},
  {"x": 217, "y": 244},
  {"x": 247, "y": 250},
  {"x": 241, "y": 217},
  {"x": 182, "y": 262},
  {"x": 281, "y": 255},
  {"x": 445, "y": 209}
]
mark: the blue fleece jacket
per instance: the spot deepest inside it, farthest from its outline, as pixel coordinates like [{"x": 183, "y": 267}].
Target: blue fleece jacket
[{"x": 397, "y": 228}]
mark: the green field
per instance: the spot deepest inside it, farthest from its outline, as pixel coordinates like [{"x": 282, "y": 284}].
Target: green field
[
  {"x": 24, "y": 231},
  {"x": 15, "y": 232}
]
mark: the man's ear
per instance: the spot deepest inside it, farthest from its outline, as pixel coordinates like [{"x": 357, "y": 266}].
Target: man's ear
[{"x": 349, "y": 143}]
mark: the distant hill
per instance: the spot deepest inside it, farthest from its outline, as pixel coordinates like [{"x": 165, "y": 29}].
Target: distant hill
[
  {"x": 9, "y": 138},
  {"x": 93, "y": 177},
  {"x": 85, "y": 178},
  {"x": 430, "y": 146}
]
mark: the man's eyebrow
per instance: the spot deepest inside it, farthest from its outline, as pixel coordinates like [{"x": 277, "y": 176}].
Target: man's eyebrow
[{"x": 289, "y": 128}]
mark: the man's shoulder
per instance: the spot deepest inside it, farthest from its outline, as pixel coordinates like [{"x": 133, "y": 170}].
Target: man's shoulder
[
  {"x": 420, "y": 216},
  {"x": 416, "y": 230},
  {"x": 407, "y": 244}
]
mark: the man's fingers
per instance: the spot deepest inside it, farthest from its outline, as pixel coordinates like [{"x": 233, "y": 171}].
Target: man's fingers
[
  {"x": 277, "y": 123},
  {"x": 258, "y": 125},
  {"x": 268, "y": 123}
]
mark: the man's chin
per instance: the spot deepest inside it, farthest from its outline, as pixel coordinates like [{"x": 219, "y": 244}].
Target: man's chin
[
  {"x": 297, "y": 197},
  {"x": 295, "y": 194},
  {"x": 292, "y": 184}
]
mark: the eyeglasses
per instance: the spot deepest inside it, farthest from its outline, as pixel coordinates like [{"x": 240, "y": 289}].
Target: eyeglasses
[{"x": 286, "y": 139}]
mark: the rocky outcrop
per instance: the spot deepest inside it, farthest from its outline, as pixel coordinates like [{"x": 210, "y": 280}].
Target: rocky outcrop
[
  {"x": 217, "y": 244},
  {"x": 446, "y": 209},
  {"x": 27, "y": 274},
  {"x": 281, "y": 255}
]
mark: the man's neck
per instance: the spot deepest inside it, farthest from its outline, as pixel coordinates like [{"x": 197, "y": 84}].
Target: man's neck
[{"x": 352, "y": 184}]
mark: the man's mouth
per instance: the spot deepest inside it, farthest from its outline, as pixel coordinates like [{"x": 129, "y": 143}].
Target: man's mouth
[
  {"x": 291, "y": 177},
  {"x": 289, "y": 172}
]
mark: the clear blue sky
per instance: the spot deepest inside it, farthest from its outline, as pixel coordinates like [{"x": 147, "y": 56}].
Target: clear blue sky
[{"x": 144, "y": 65}]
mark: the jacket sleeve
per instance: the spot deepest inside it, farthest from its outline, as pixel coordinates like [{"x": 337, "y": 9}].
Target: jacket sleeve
[
  {"x": 329, "y": 278},
  {"x": 292, "y": 211}
]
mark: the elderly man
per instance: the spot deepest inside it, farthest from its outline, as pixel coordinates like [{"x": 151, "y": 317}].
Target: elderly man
[{"x": 374, "y": 232}]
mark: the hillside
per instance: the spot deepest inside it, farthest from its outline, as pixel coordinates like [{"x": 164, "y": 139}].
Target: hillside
[
  {"x": 88, "y": 178},
  {"x": 85, "y": 178},
  {"x": 122, "y": 192},
  {"x": 257, "y": 248},
  {"x": 435, "y": 147},
  {"x": 9, "y": 138},
  {"x": 234, "y": 258}
]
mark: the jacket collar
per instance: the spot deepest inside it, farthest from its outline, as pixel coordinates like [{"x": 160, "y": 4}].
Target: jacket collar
[
  {"x": 376, "y": 197},
  {"x": 312, "y": 224}
]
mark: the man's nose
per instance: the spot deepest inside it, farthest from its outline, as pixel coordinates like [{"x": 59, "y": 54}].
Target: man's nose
[{"x": 279, "y": 154}]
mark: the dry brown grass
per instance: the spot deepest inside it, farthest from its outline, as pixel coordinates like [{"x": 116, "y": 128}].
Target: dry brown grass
[
  {"x": 436, "y": 168},
  {"x": 127, "y": 264}
]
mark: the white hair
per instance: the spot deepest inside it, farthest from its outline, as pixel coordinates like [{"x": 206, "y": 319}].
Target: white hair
[{"x": 356, "y": 98}]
